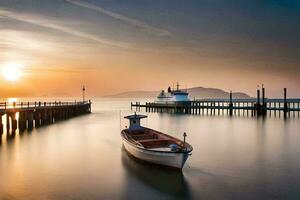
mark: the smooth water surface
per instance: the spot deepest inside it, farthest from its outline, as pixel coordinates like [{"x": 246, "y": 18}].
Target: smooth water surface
[{"x": 83, "y": 158}]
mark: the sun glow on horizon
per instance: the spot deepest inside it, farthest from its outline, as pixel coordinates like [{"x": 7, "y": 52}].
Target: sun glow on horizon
[
  {"x": 12, "y": 100},
  {"x": 12, "y": 71}
]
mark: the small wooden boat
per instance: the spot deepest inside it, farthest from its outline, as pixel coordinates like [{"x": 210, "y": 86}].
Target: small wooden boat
[{"x": 152, "y": 146}]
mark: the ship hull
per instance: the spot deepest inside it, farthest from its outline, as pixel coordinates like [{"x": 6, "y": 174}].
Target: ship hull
[{"x": 168, "y": 159}]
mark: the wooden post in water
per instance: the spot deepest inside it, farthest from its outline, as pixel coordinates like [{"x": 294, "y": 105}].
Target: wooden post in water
[
  {"x": 37, "y": 118},
  {"x": 22, "y": 121},
  {"x": 285, "y": 108},
  {"x": 230, "y": 104},
  {"x": 258, "y": 96},
  {"x": 51, "y": 116},
  {"x": 294, "y": 108},
  {"x": 30, "y": 120},
  {"x": 1, "y": 125},
  {"x": 264, "y": 104},
  {"x": 263, "y": 95},
  {"x": 7, "y": 123},
  {"x": 14, "y": 123},
  {"x": 258, "y": 106},
  {"x": 298, "y": 108}
]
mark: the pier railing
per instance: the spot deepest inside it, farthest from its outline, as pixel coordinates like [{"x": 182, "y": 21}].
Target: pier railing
[
  {"x": 254, "y": 100},
  {"x": 39, "y": 104},
  {"x": 221, "y": 106},
  {"x": 259, "y": 106}
]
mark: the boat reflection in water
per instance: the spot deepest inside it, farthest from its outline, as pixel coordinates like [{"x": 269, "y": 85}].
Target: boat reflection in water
[{"x": 164, "y": 180}]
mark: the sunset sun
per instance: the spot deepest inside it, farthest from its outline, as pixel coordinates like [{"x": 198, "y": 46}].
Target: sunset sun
[{"x": 12, "y": 72}]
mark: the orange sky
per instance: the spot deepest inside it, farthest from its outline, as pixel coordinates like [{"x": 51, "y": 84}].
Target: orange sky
[{"x": 127, "y": 72}]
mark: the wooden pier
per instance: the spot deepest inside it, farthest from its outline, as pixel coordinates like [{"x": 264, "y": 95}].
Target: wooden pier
[
  {"x": 28, "y": 115},
  {"x": 259, "y": 106}
]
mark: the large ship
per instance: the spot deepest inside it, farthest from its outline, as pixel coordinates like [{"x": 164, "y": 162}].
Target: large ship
[{"x": 172, "y": 95}]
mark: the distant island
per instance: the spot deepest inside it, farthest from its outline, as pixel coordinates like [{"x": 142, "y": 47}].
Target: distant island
[{"x": 195, "y": 92}]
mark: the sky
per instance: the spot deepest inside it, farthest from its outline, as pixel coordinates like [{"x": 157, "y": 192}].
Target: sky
[{"x": 113, "y": 46}]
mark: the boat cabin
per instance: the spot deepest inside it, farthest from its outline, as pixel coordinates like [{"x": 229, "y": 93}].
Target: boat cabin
[{"x": 135, "y": 121}]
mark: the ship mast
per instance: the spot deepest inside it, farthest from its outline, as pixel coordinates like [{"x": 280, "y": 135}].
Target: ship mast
[{"x": 83, "y": 93}]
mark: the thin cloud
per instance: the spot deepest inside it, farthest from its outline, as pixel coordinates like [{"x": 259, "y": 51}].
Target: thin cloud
[
  {"x": 24, "y": 40},
  {"x": 123, "y": 18},
  {"x": 56, "y": 69},
  {"x": 40, "y": 21}
]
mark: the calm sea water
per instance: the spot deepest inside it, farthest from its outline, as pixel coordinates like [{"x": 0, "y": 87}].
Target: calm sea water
[{"x": 83, "y": 158}]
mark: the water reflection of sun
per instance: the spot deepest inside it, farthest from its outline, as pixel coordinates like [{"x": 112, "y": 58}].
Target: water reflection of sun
[{"x": 12, "y": 100}]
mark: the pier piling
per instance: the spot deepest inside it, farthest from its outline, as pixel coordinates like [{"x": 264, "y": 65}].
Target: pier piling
[
  {"x": 1, "y": 125},
  {"x": 285, "y": 108},
  {"x": 37, "y": 114},
  {"x": 230, "y": 104}
]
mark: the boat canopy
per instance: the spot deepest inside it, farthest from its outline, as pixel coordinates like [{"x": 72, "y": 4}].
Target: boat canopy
[{"x": 135, "y": 121}]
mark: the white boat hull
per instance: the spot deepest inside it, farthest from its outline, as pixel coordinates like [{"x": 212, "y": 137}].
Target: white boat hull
[{"x": 169, "y": 159}]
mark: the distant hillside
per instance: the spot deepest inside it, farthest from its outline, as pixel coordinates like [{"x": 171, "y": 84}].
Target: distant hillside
[
  {"x": 197, "y": 92},
  {"x": 201, "y": 92}
]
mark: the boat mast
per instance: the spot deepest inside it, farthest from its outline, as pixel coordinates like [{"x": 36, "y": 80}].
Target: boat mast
[
  {"x": 177, "y": 85},
  {"x": 184, "y": 136}
]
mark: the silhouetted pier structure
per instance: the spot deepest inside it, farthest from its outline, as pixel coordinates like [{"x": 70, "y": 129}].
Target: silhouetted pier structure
[
  {"x": 259, "y": 106},
  {"x": 36, "y": 114}
]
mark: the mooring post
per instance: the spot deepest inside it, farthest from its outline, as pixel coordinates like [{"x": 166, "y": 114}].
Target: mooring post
[
  {"x": 14, "y": 122},
  {"x": 22, "y": 121},
  {"x": 263, "y": 95},
  {"x": 264, "y": 104},
  {"x": 56, "y": 114},
  {"x": 51, "y": 116},
  {"x": 43, "y": 118},
  {"x": 30, "y": 120},
  {"x": 298, "y": 109},
  {"x": 37, "y": 118},
  {"x": 1, "y": 125},
  {"x": 258, "y": 96},
  {"x": 258, "y": 106},
  {"x": 230, "y": 104},
  {"x": 7, "y": 123},
  {"x": 285, "y": 108}
]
